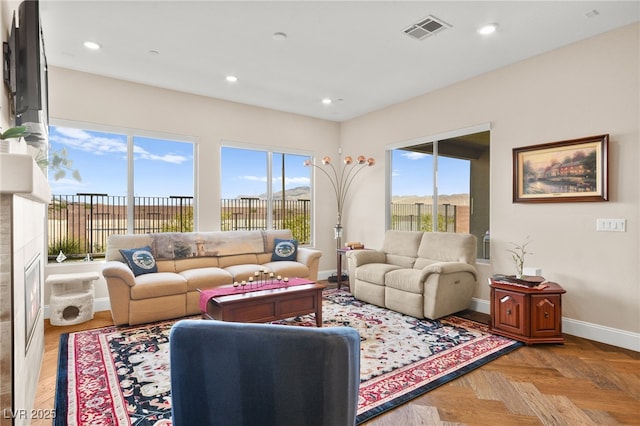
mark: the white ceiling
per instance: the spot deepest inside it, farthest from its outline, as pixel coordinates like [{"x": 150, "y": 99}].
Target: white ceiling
[{"x": 353, "y": 52}]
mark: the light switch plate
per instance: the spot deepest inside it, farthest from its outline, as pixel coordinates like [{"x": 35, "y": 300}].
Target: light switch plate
[{"x": 611, "y": 225}]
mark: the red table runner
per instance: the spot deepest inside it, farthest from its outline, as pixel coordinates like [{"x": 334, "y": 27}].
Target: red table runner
[{"x": 229, "y": 289}]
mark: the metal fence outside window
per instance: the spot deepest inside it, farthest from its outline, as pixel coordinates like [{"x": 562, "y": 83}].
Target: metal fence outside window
[{"x": 79, "y": 225}]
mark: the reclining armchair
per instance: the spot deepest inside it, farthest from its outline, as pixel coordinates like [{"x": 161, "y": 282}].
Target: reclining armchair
[
  {"x": 422, "y": 274},
  {"x": 227, "y": 373}
]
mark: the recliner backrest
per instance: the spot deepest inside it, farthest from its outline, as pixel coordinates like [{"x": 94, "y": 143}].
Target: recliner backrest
[
  {"x": 447, "y": 247},
  {"x": 401, "y": 247}
]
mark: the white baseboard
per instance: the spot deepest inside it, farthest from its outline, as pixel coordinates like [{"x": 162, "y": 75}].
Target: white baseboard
[
  {"x": 324, "y": 275},
  {"x": 586, "y": 330}
]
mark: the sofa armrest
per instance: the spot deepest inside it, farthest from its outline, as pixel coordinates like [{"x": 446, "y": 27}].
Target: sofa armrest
[
  {"x": 119, "y": 279},
  {"x": 448, "y": 268},
  {"x": 307, "y": 255},
  {"x": 362, "y": 257},
  {"x": 115, "y": 269}
]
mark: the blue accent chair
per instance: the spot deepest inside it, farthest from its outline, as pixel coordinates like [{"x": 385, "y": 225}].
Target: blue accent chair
[{"x": 226, "y": 373}]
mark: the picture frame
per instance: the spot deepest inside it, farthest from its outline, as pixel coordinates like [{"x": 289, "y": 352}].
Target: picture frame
[{"x": 566, "y": 171}]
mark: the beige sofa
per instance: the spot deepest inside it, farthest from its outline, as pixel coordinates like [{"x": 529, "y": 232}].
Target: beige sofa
[
  {"x": 422, "y": 274},
  {"x": 190, "y": 261}
]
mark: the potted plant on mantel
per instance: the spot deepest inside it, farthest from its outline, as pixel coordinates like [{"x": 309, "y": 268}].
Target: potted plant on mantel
[
  {"x": 10, "y": 134},
  {"x": 58, "y": 162}
]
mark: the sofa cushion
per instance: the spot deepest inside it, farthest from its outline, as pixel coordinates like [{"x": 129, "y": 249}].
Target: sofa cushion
[
  {"x": 158, "y": 284},
  {"x": 239, "y": 259},
  {"x": 181, "y": 245},
  {"x": 406, "y": 280},
  {"x": 374, "y": 273},
  {"x": 194, "y": 263},
  {"x": 288, "y": 269},
  {"x": 272, "y": 234},
  {"x": 205, "y": 278},
  {"x": 115, "y": 242},
  {"x": 422, "y": 262},
  {"x": 244, "y": 271},
  {"x": 140, "y": 260},
  {"x": 284, "y": 250}
]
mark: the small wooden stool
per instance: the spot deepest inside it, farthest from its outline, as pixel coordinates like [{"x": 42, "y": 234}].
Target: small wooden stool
[{"x": 72, "y": 295}]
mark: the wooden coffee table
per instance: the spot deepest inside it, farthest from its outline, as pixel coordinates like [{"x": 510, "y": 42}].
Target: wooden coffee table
[{"x": 268, "y": 305}]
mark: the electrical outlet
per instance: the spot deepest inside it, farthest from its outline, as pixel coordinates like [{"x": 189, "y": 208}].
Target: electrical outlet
[{"x": 611, "y": 225}]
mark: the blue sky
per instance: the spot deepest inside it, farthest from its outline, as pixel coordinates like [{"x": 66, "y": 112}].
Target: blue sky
[
  {"x": 163, "y": 168},
  {"x": 244, "y": 172}
]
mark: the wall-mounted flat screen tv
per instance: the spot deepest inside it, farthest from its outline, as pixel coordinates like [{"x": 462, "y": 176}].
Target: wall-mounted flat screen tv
[{"x": 31, "y": 101}]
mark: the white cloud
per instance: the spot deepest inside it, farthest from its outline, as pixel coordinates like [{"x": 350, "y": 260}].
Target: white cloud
[
  {"x": 254, "y": 178},
  {"x": 100, "y": 145},
  {"x": 414, "y": 155},
  {"x": 73, "y": 133}
]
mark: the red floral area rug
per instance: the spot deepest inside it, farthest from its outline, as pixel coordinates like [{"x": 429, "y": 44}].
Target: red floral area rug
[{"x": 120, "y": 375}]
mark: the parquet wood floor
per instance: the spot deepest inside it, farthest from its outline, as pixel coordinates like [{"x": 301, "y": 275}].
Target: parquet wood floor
[{"x": 579, "y": 383}]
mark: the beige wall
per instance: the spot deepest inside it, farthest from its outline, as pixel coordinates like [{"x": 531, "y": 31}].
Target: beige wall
[{"x": 585, "y": 89}]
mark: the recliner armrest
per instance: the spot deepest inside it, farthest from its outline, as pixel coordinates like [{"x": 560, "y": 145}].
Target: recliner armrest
[
  {"x": 362, "y": 257},
  {"x": 115, "y": 269},
  {"x": 448, "y": 268}
]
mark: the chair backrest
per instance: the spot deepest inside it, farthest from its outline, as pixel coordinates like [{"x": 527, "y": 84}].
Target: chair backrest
[{"x": 225, "y": 373}]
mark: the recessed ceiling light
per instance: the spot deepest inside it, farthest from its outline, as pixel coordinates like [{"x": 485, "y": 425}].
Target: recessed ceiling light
[
  {"x": 92, "y": 45},
  {"x": 488, "y": 29},
  {"x": 231, "y": 78},
  {"x": 327, "y": 101},
  {"x": 279, "y": 36}
]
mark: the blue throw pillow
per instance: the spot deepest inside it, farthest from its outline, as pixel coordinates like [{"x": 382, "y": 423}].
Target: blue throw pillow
[
  {"x": 284, "y": 250},
  {"x": 140, "y": 260}
]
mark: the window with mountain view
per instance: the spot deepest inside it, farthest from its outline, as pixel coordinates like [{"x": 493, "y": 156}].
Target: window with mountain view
[
  {"x": 454, "y": 199},
  {"x": 265, "y": 190}
]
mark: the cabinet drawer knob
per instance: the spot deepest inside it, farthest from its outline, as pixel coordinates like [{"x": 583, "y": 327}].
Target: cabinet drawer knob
[
  {"x": 508, "y": 311},
  {"x": 546, "y": 314}
]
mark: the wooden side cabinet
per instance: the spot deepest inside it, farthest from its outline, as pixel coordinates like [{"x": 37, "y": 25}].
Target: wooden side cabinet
[{"x": 527, "y": 314}]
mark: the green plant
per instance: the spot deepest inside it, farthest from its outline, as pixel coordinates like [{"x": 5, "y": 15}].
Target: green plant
[
  {"x": 67, "y": 245},
  {"x": 180, "y": 222},
  {"x": 16, "y": 132},
  {"x": 518, "y": 254}
]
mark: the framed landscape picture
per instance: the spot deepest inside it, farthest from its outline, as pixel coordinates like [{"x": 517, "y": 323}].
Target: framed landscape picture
[{"x": 566, "y": 171}]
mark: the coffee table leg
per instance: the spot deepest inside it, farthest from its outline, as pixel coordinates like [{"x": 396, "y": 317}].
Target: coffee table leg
[{"x": 319, "y": 309}]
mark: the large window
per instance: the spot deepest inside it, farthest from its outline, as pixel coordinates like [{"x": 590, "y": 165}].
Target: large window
[
  {"x": 128, "y": 183},
  {"x": 265, "y": 190},
  {"x": 443, "y": 185}
]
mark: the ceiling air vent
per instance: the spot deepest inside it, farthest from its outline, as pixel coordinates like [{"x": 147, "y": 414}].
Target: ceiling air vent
[{"x": 426, "y": 27}]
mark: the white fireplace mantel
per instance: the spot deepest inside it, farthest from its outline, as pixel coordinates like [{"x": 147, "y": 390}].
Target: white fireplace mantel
[
  {"x": 24, "y": 196},
  {"x": 20, "y": 175}
]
